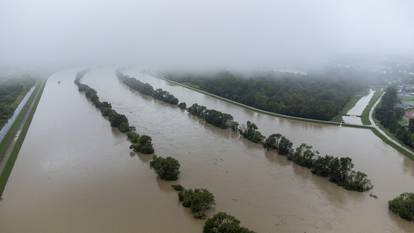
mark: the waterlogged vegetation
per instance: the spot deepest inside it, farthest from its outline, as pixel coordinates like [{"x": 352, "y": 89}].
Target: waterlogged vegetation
[
  {"x": 197, "y": 200},
  {"x": 147, "y": 89},
  {"x": 224, "y": 223},
  {"x": 214, "y": 117},
  {"x": 339, "y": 170},
  {"x": 403, "y": 205},
  {"x": 314, "y": 96},
  {"x": 11, "y": 92},
  {"x": 142, "y": 144},
  {"x": 167, "y": 168},
  {"x": 388, "y": 113}
]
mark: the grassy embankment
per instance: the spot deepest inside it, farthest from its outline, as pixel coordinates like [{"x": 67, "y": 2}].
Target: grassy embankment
[
  {"x": 365, "y": 114},
  {"x": 263, "y": 111},
  {"x": 366, "y": 121},
  {"x": 34, "y": 98}
]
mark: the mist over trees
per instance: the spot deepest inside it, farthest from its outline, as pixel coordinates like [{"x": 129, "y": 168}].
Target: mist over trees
[
  {"x": 11, "y": 92},
  {"x": 319, "y": 97}
]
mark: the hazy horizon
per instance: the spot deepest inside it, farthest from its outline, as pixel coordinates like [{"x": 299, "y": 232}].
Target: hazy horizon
[{"x": 192, "y": 33}]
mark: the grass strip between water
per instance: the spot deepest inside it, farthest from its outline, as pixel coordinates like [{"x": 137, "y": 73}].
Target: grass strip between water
[
  {"x": 349, "y": 105},
  {"x": 391, "y": 143},
  {"x": 365, "y": 114},
  {"x": 35, "y": 97},
  {"x": 263, "y": 111}
]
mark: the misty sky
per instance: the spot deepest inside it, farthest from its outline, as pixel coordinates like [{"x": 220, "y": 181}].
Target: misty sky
[{"x": 240, "y": 33}]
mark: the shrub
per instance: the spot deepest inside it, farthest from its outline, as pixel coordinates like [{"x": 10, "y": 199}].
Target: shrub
[
  {"x": 198, "y": 200},
  {"x": 224, "y": 223},
  {"x": 166, "y": 168},
  {"x": 403, "y": 205}
]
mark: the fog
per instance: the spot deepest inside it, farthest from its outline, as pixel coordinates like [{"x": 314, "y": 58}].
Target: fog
[{"x": 194, "y": 33}]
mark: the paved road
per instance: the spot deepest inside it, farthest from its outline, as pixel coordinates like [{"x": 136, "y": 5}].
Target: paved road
[{"x": 374, "y": 125}]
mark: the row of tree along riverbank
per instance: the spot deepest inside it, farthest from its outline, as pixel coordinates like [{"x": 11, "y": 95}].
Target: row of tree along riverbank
[
  {"x": 389, "y": 114},
  {"x": 168, "y": 168},
  {"x": 339, "y": 170}
]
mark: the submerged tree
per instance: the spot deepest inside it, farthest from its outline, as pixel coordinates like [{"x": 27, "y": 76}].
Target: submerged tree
[
  {"x": 224, "y": 223},
  {"x": 198, "y": 200},
  {"x": 403, "y": 205},
  {"x": 251, "y": 133},
  {"x": 166, "y": 168}
]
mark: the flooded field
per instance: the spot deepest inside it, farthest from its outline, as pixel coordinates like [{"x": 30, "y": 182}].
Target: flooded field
[
  {"x": 75, "y": 174},
  {"x": 356, "y": 111}
]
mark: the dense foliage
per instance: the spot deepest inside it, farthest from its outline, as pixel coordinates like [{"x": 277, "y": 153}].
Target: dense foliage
[
  {"x": 198, "y": 200},
  {"x": 403, "y": 205},
  {"x": 319, "y": 97},
  {"x": 251, "y": 133},
  {"x": 338, "y": 170},
  {"x": 140, "y": 144},
  {"x": 214, "y": 117},
  {"x": 224, "y": 223},
  {"x": 182, "y": 105},
  {"x": 10, "y": 91},
  {"x": 388, "y": 114},
  {"x": 147, "y": 89},
  {"x": 166, "y": 168}
]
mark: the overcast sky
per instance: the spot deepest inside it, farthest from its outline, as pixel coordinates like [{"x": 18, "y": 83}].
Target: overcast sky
[{"x": 239, "y": 33}]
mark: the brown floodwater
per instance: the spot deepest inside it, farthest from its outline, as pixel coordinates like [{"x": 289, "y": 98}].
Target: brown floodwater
[{"x": 75, "y": 174}]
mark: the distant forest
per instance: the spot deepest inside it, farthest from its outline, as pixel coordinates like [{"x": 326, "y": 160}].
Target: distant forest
[
  {"x": 315, "y": 96},
  {"x": 12, "y": 91}
]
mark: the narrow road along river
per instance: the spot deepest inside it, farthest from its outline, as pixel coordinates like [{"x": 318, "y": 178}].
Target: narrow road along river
[{"x": 75, "y": 174}]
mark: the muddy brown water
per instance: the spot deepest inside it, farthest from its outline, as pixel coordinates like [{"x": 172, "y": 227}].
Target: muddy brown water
[{"x": 75, "y": 174}]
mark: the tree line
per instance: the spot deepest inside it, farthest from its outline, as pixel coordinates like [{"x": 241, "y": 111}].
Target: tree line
[
  {"x": 338, "y": 170},
  {"x": 388, "y": 113},
  {"x": 147, "y": 89},
  {"x": 320, "y": 97},
  {"x": 198, "y": 200},
  {"x": 142, "y": 144},
  {"x": 10, "y": 90},
  {"x": 167, "y": 168}
]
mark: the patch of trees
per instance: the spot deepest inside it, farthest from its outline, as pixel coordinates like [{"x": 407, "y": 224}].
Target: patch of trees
[
  {"x": 167, "y": 168},
  {"x": 10, "y": 90},
  {"x": 142, "y": 144},
  {"x": 337, "y": 169},
  {"x": 388, "y": 113},
  {"x": 309, "y": 96},
  {"x": 214, "y": 117},
  {"x": 224, "y": 223},
  {"x": 197, "y": 200},
  {"x": 251, "y": 133},
  {"x": 403, "y": 205},
  {"x": 147, "y": 89}
]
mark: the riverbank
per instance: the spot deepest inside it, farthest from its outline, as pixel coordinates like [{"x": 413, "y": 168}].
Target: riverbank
[
  {"x": 365, "y": 114},
  {"x": 12, "y": 142},
  {"x": 263, "y": 111},
  {"x": 382, "y": 133}
]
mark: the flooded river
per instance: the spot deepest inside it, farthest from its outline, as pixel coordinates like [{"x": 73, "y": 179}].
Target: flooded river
[{"x": 75, "y": 174}]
